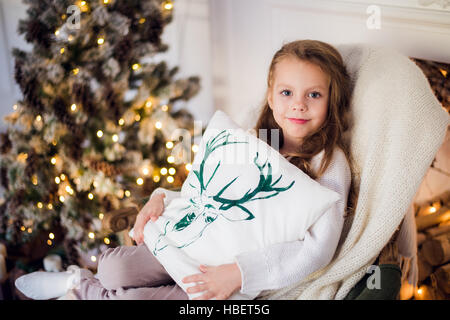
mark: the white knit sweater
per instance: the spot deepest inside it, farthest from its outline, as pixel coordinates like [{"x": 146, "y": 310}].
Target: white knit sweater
[{"x": 283, "y": 264}]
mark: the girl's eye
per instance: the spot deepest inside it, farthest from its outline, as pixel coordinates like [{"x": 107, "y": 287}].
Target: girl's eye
[
  {"x": 286, "y": 92},
  {"x": 314, "y": 95}
]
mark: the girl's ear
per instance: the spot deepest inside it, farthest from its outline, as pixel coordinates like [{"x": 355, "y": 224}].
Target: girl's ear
[{"x": 269, "y": 98}]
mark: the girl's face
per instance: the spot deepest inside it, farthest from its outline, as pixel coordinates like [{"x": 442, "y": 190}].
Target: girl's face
[{"x": 300, "y": 90}]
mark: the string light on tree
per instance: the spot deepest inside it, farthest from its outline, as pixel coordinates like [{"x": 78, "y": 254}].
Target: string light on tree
[
  {"x": 83, "y": 6},
  {"x": 163, "y": 171},
  {"x": 140, "y": 181},
  {"x": 156, "y": 178},
  {"x": 99, "y": 133},
  {"x": 158, "y": 125},
  {"x": 145, "y": 170},
  {"x": 188, "y": 166},
  {"x": 432, "y": 209},
  {"x": 169, "y": 145},
  {"x": 69, "y": 190},
  {"x": 170, "y": 179},
  {"x": 90, "y": 196},
  {"x": 73, "y": 107},
  {"x": 168, "y": 5},
  {"x": 172, "y": 171},
  {"x": 100, "y": 41},
  {"x": 194, "y": 148}
]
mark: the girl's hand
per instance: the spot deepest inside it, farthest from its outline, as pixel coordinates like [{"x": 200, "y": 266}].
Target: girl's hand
[
  {"x": 216, "y": 282},
  {"x": 151, "y": 210}
]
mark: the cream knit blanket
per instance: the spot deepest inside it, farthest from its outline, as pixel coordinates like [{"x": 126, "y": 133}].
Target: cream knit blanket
[{"x": 398, "y": 127}]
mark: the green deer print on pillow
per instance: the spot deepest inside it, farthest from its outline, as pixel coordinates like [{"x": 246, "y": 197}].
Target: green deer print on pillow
[{"x": 206, "y": 208}]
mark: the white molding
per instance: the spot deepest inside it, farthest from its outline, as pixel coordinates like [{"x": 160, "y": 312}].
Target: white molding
[
  {"x": 414, "y": 31},
  {"x": 394, "y": 13}
]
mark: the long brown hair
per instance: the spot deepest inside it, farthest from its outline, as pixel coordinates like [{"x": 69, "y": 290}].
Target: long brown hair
[{"x": 332, "y": 132}]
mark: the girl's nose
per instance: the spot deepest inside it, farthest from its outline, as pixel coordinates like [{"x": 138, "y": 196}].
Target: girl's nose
[{"x": 299, "y": 105}]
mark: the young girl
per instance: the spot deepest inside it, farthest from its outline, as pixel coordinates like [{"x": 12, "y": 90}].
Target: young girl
[{"x": 307, "y": 99}]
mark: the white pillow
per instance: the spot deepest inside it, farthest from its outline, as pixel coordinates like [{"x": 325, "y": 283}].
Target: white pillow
[{"x": 240, "y": 195}]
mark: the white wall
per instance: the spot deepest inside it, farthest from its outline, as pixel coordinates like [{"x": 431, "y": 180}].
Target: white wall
[
  {"x": 10, "y": 12},
  {"x": 188, "y": 37},
  {"x": 246, "y": 34}
]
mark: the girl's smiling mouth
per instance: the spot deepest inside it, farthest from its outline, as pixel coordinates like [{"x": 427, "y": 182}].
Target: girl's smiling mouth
[{"x": 298, "y": 121}]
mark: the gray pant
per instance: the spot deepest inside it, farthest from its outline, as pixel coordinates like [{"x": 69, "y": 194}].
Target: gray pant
[{"x": 129, "y": 273}]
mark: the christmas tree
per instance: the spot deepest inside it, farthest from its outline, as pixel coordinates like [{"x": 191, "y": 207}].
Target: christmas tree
[{"x": 94, "y": 129}]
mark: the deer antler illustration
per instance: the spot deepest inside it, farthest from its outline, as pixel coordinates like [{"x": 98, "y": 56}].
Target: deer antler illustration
[
  {"x": 264, "y": 185},
  {"x": 218, "y": 141}
]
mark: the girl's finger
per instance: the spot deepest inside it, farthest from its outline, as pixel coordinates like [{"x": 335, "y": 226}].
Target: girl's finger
[
  {"x": 197, "y": 288},
  {"x": 208, "y": 295},
  {"x": 193, "y": 278}
]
